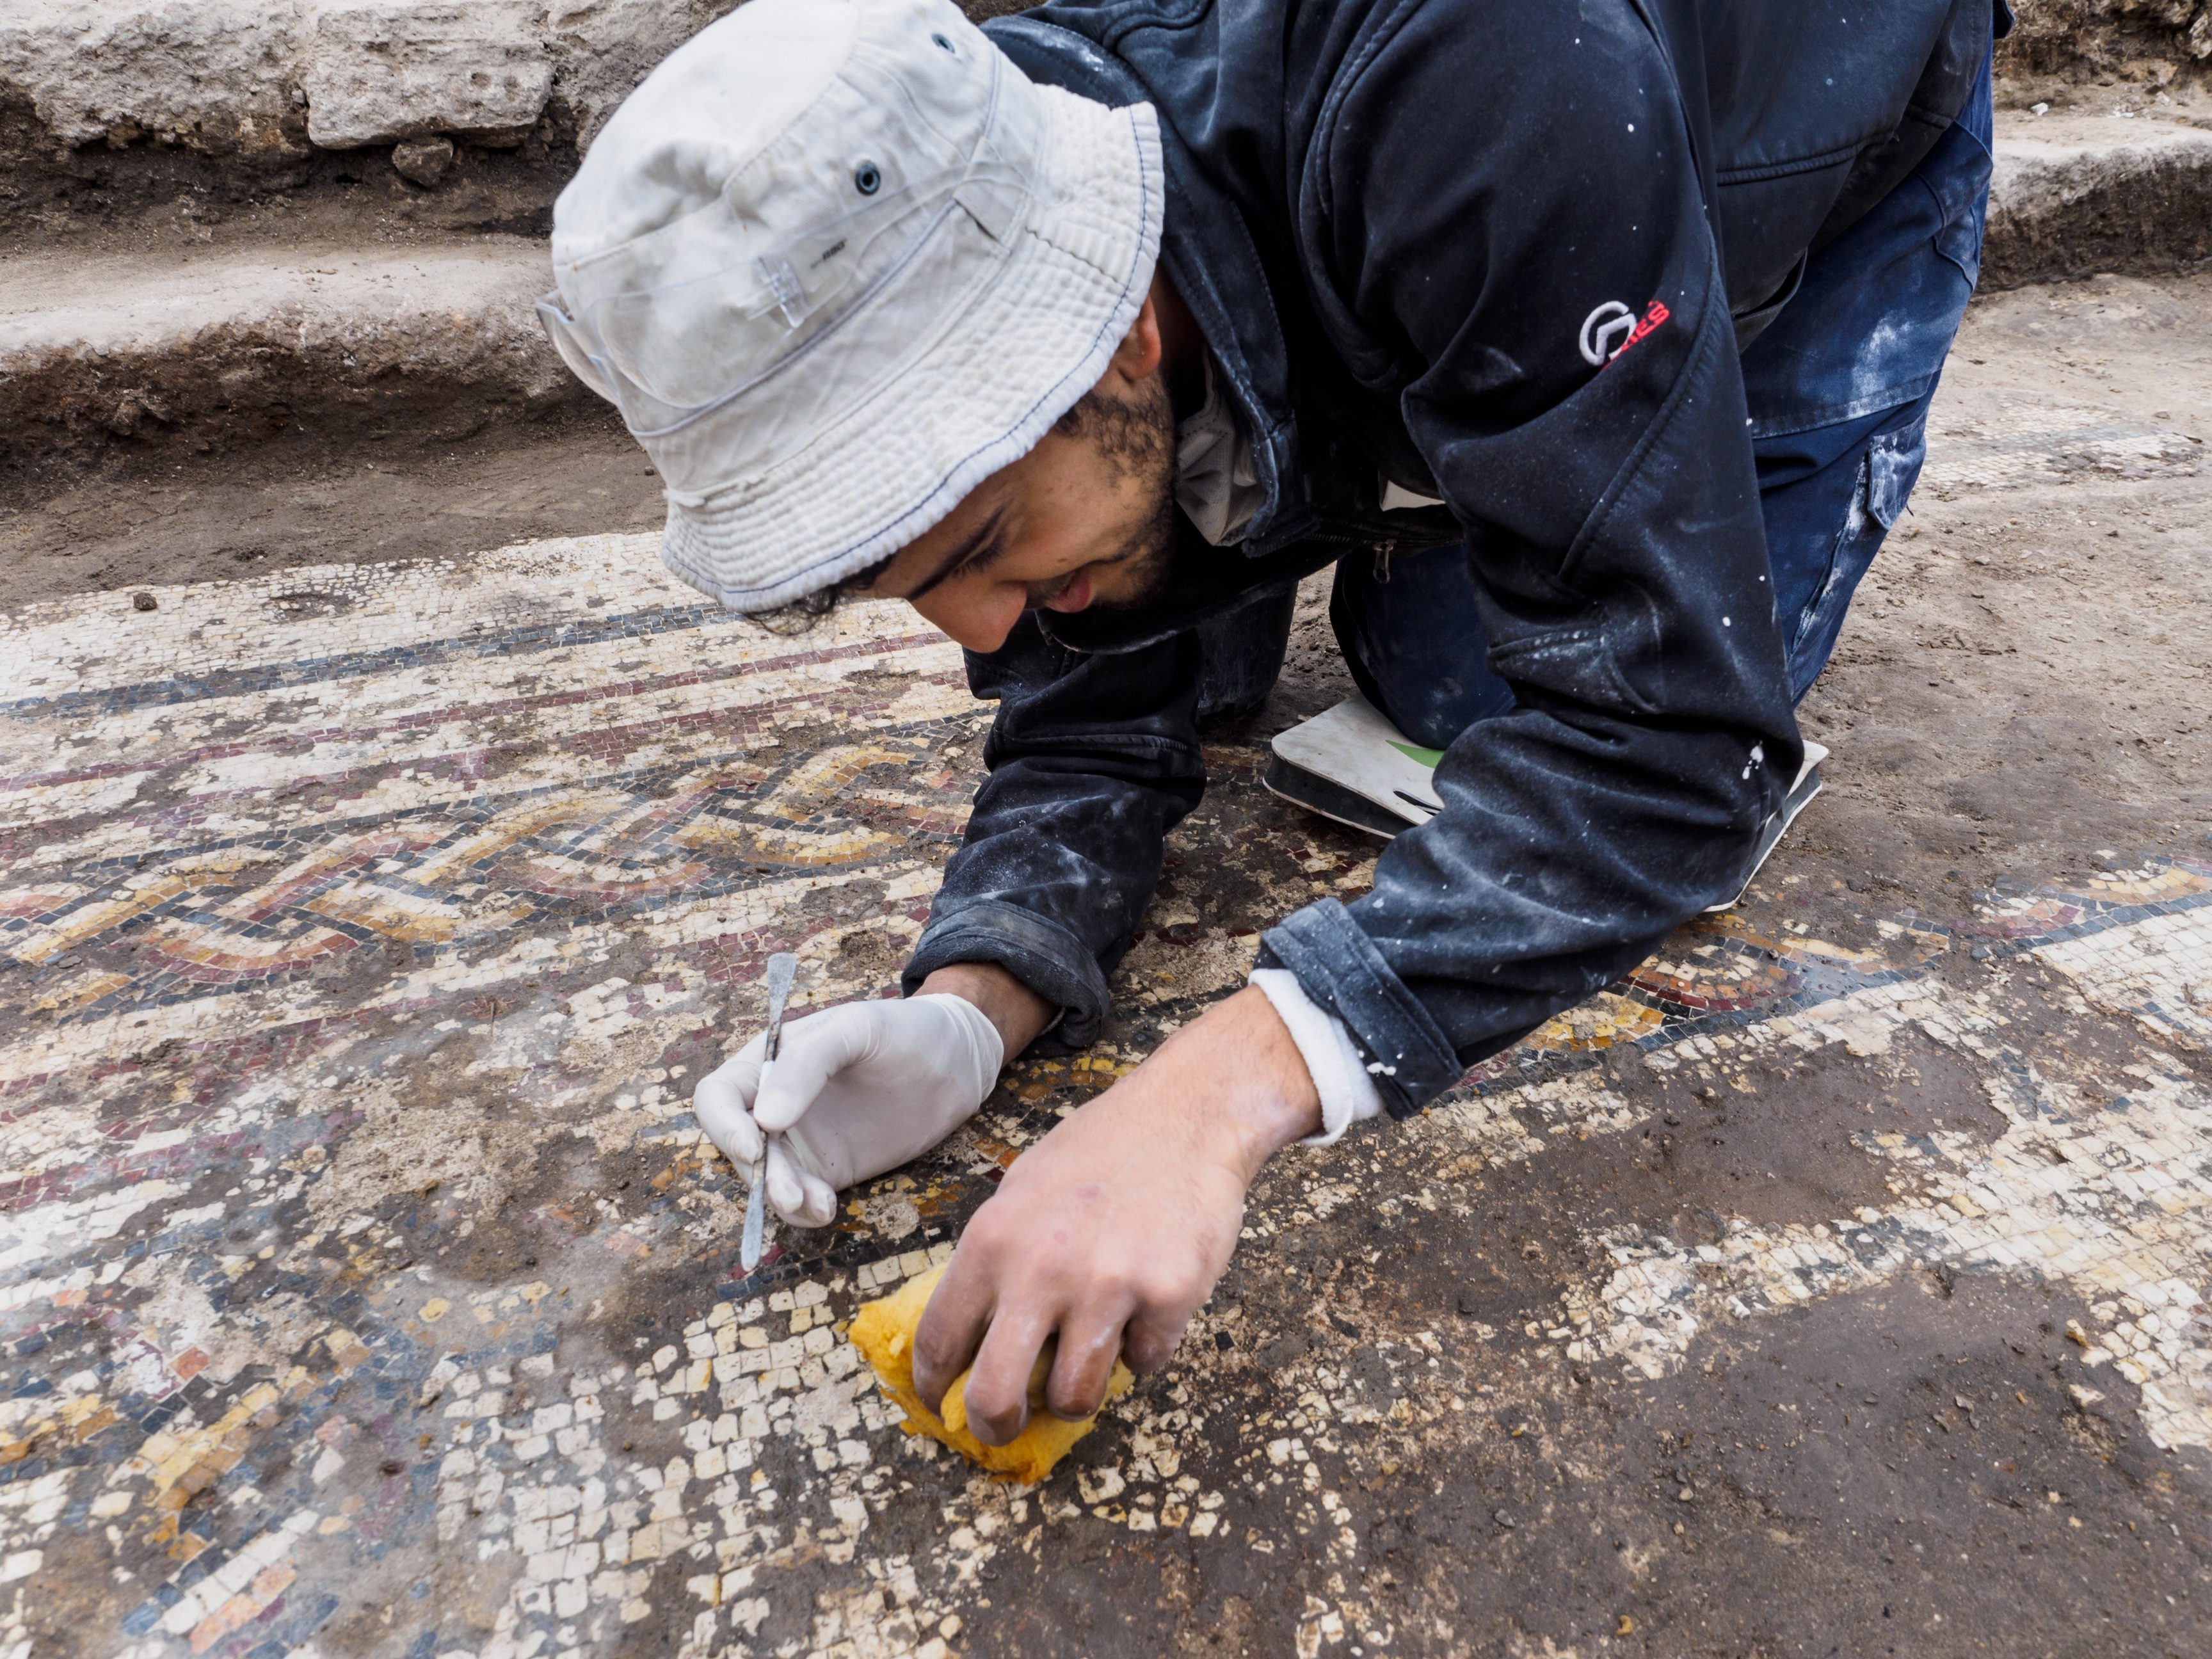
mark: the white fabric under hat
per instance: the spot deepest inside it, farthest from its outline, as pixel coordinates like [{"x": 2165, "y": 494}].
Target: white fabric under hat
[
  {"x": 837, "y": 261},
  {"x": 1217, "y": 486}
]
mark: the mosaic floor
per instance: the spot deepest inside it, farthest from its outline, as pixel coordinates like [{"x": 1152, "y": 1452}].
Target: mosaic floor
[{"x": 370, "y": 1289}]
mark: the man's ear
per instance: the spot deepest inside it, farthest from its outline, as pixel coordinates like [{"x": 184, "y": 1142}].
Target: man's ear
[{"x": 1138, "y": 358}]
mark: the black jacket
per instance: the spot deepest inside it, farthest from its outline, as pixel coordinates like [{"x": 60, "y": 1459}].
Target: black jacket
[{"x": 1397, "y": 223}]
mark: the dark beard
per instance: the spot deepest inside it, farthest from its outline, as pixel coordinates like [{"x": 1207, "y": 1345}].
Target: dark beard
[{"x": 1137, "y": 440}]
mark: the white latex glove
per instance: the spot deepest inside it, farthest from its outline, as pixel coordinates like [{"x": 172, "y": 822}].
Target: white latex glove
[{"x": 856, "y": 1089}]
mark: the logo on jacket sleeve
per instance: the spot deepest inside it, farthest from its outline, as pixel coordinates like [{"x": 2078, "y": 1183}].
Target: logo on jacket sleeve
[{"x": 1614, "y": 321}]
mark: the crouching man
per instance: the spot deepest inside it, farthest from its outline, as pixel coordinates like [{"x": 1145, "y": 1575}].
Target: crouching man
[{"x": 1592, "y": 341}]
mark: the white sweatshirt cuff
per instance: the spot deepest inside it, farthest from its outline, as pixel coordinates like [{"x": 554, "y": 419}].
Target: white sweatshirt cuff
[{"x": 1333, "y": 1060}]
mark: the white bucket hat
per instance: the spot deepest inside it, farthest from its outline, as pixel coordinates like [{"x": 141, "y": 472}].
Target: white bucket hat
[{"x": 836, "y": 262}]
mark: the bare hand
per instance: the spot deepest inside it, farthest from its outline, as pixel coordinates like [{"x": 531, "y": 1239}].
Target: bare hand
[{"x": 1111, "y": 1231}]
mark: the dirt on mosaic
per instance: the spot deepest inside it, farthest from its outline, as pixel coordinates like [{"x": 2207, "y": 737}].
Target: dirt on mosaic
[{"x": 391, "y": 847}]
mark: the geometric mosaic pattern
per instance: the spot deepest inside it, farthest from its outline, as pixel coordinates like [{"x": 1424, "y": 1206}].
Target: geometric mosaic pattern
[
  {"x": 367, "y": 1287},
  {"x": 2022, "y": 441}
]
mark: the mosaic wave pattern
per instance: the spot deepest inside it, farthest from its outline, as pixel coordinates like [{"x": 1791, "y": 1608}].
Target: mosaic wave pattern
[
  {"x": 369, "y": 1287},
  {"x": 2013, "y": 442}
]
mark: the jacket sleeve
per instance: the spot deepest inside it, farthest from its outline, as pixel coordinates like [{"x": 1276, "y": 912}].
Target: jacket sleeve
[
  {"x": 1544, "y": 210},
  {"x": 1092, "y": 760}
]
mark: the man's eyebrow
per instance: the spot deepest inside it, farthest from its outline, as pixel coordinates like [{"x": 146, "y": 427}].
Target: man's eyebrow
[{"x": 978, "y": 549}]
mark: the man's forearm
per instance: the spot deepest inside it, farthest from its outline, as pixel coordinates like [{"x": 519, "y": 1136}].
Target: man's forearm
[
  {"x": 1252, "y": 1076},
  {"x": 1240, "y": 1069},
  {"x": 1018, "y": 1012},
  {"x": 1093, "y": 760}
]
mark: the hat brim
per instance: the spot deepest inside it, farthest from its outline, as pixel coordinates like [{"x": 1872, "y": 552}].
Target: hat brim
[{"x": 1029, "y": 344}]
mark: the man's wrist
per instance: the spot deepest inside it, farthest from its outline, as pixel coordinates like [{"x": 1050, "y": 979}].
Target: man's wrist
[
  {"x": 1017, "y": 1013},
  {"x": 1243, "y": 1063}
]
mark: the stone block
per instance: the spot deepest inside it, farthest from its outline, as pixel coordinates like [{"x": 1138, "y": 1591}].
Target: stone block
[
  {"x": 605, "y": 47},
  {"x": 214, "y": 75},
  {"x": 384, "y": 70}
]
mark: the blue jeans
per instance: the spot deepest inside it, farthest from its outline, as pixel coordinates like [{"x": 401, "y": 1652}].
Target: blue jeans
[{"x": 1838, "y": 386}]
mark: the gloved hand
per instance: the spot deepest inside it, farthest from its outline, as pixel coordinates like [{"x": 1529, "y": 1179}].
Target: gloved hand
[{"x": 856, "y": 1089}]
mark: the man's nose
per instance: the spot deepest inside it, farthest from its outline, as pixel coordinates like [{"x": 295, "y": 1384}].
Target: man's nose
[{"x": 981, "y": 622}]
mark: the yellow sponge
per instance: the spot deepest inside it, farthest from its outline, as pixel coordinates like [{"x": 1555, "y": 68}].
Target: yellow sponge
[{"x": 883, "y": 1333}]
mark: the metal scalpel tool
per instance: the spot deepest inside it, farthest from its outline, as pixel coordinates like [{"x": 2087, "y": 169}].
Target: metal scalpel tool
[{"x": 782, "y": 967}]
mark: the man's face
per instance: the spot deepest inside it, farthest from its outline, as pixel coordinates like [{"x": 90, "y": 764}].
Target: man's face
[{"x": 1087, "y": 518}]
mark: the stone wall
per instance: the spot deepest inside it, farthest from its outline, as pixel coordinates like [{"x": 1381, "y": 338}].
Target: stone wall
[
  {"x": 112, "y": 106},
  {"x": 260, "y": 94},
  {"x": 246, "y": 77},
  {"x": 2069, "y": 42}
]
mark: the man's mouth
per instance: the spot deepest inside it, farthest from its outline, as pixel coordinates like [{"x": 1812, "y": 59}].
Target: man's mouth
[{"x": 1073, "y": 593}]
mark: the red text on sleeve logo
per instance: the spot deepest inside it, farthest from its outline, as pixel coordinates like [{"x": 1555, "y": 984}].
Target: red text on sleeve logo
[{"x": 1613, "y": 321}]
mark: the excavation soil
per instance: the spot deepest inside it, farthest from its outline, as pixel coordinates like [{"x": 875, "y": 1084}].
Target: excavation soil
[{"x": 142, "y": 516}]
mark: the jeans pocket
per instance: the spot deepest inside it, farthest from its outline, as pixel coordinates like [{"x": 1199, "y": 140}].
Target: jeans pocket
[
  {"x": 1892, "y": 467},
  {"x": 1886, "y": 474},
  {"x": 1958, "y": 176}
]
